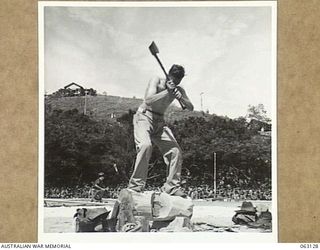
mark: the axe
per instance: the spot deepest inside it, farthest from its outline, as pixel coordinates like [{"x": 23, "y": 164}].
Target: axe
[{"x": 154, "y": 51}]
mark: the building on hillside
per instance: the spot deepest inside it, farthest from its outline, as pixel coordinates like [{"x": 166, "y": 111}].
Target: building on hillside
[
  {"x": 265, "y": 133},
  {"x": 75, "y": 89},
  {"x": 263, "y": 128}
]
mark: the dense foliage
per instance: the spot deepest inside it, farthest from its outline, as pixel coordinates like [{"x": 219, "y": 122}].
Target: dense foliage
[{"x": 78, "y": 147}]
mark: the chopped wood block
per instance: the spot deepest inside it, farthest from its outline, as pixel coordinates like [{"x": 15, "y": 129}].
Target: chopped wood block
[
  {"x": 150, "y": 206},
  {"x": 142, "y": 203},
  {"x": 167, "y": 207},
  {"x": 179, "y": 224},
  {"x": 125, "y": 209},
  {"x": 145, "y": 227}
]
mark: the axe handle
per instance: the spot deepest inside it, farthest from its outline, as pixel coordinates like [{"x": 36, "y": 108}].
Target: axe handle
[
  {"x": 165, "y": 72},
  {"x": 163, "y": 69}
]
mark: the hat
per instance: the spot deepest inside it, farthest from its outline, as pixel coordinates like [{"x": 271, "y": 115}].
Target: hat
[
  {"x": 101, "y": 174},
  {"x": 247, "y": 207}
]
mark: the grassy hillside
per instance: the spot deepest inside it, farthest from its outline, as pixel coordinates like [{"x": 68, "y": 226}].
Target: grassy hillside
[{"x": 110, "y": 107}]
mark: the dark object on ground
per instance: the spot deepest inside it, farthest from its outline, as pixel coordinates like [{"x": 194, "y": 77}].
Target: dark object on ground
[
  {"x": 91, "y": 220},
  {"x": 244, "y": 219},
  {"x": 113, "y": 218},
  {"x": 246, "y": 214},
  {"x": 264, "y": 221}
]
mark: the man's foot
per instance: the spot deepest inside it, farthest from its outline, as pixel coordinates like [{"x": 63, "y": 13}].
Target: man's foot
[{"x": 180, "y": 193}]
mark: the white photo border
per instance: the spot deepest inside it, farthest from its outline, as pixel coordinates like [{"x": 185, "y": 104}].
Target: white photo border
[{"x": 193, "y": 237}]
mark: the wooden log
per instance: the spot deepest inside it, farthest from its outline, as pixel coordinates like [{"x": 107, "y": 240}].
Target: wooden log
[
  {"x": 167, "y": 207},
  {"x": 142, "y": 203},
  {"x": 153, "y": 206},
  {"x": 179, "y": 224},
  {"x": 126, "y": 208},
  {"x": 145, "y": 223}
]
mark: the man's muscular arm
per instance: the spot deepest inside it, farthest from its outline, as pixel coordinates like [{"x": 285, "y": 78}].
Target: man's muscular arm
[
  {"x": 182, "y": 96},
  {"x": 151, "y": 94}
]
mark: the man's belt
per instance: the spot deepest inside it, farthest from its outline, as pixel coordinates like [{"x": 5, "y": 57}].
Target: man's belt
[{"x": 144, "y": 110}]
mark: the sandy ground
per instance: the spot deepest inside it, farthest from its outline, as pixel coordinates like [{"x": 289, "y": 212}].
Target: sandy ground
[{"x": 213, "y": 216}]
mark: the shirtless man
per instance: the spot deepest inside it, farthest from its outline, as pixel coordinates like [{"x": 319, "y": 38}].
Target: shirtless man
[{"x": 149, "y": 127}]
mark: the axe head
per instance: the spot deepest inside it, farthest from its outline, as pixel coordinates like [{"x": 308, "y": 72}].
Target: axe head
[{"x": 153, "y": 49}]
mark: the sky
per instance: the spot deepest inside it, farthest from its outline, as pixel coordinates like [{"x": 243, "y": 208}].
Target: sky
[{"x": 226, "y": 52}]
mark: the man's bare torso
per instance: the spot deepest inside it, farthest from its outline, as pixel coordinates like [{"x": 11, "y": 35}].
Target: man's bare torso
[{"x": 162, "y": 103}]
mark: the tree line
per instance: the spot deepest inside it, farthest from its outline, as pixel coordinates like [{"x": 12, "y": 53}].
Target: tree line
[
  {"x": 78, "y": 147},
  {"x": 67, "y": 92}
]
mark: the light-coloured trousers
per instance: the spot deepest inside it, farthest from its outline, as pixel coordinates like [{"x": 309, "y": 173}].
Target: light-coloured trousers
[{"x": 150, "y": 128}]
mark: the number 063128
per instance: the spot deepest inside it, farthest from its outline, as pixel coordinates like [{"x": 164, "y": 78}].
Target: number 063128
[{"x": 309, "y": 245}]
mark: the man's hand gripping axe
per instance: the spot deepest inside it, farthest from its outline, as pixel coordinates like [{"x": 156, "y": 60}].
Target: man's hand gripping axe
[{"x": 154, "y": 51}]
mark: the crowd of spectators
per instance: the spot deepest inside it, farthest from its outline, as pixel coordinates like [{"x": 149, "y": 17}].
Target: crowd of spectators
[
  {"x": 67, "y": 192},
  {"x": 241, "y": 179},
  {"x": 204, "y": 191},
  {"x": 195, "y": 192},
  {"x": 79, "y": 192},
  {"x": 233, "y": 184}
]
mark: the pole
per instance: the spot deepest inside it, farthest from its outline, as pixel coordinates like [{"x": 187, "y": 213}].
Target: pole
[
  {"x": 201, "y": 101},
  {"x": 215, "y": 173},
  {"x": 85, "y": 103}
]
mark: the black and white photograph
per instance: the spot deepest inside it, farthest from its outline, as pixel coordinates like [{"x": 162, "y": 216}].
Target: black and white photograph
[{"x": 157, "y": 121}]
